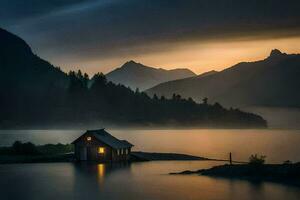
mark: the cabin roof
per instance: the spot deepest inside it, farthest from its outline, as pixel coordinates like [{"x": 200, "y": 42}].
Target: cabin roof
[{"x": 108, "y": 139}]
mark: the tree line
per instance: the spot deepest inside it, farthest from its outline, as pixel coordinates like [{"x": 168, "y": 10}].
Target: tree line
[{"x": 95, "y": 101}]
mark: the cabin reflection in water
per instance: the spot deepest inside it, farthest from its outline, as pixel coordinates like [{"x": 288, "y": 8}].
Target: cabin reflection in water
[
  {"x": 99, "y": 172},
  {"x": 103, "y": 170},
  {"x": 100, "y": 146}
]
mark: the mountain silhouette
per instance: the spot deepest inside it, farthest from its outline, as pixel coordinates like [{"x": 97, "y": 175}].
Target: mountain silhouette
[
  {"x": 35, "y": 94},
  {"x": 27, "y": 83},
  {"x": 21, "y": 69},
  {"x": 273, "y": 81},
  {"x": 136, "y": 75}
]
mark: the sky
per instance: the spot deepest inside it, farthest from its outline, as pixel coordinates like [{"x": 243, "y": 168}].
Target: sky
[{"x": 202, "y": 35}]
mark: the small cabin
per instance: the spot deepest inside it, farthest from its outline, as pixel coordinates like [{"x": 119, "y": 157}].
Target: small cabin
[{"x": 100, "y": 146}]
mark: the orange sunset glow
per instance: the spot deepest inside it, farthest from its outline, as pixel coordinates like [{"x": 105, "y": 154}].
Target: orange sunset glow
[
  {"x": 199, "y": 56},
  {"x": 150, "y": 99}
]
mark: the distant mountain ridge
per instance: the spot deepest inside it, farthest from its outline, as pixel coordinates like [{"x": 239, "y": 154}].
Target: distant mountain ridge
[
  {"x": 36, "y": 95},
  {"x": 273, "y": 81},
  {"x": 136, "y": 75}
]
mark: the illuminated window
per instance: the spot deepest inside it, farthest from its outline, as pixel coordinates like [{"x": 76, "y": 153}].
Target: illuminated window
[
  {"x": 121, "y": 151},
  {"x": 118, "y": 152},
  {"x": 88, "y": 138},
  {"x": 126, "y": 151},
  {"x": 101, "y": 150}
]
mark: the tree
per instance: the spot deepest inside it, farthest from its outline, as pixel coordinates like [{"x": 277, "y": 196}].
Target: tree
[
  {"x": 218, "y": 106},
  {"x": 176, "y": 97},
  {"x": 17, "y": 147},
  {"x": 109, "y": 102},
  {"x": 99, "y": 80},
  {"x": 79, "y": 75},
  {"x": 205, "y": 100},
  {"x": 75, "y": 84},
  {"x": 86, "y": 80},
  {"x": 257, "y": 159},
  {"x": 287, "y": 162},
  {"x": 191, "y": 100},
  {"x": 137, "y": 91},
  {"x": 24, "y": 148},
  {"x": 29, "y": 148}
]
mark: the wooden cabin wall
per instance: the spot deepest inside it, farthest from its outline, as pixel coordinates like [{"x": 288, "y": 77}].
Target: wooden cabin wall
[{"x": 92, "y": 146}]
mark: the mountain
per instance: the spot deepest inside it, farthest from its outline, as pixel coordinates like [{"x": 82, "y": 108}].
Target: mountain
[
  {"x": 207, "y": 74},
  {"x": 273, "y": 81},
  {"x": 35, "y": 94},
  {"x": 136, "y": 75},
  {"x": 25, "y": 80},
  {"x": 21, "y": 68}
]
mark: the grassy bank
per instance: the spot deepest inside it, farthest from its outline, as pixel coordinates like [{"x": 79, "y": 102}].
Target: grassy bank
[{"x": 30, "y": 153}]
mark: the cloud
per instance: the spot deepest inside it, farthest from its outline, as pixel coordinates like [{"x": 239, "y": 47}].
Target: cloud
[
  {"x": 102, "y": 28},
  {"x": 16, "y": 10}
]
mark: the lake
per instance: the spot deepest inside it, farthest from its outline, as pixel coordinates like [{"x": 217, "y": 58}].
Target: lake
[{"x": 150, "y": 180}]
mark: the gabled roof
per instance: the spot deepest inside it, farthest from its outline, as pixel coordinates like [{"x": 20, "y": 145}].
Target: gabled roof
[{"x": 108, "y": 139}]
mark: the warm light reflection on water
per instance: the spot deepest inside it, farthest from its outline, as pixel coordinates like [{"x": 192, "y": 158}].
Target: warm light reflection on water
[
  {"x": 145, "y": 180},
  {"x": 101, "y": 172},
  {"x": 277, "y": 145}
]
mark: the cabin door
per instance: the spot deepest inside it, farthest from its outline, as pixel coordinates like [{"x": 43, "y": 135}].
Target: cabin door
[
  {"x": 83, "y": 153},
  {"x": 90, "y": 153}
]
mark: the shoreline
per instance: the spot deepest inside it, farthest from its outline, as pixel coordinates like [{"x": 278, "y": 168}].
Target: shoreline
[
  {"x": 69, "y": 157},
  {"x": 278, "y": 173}
]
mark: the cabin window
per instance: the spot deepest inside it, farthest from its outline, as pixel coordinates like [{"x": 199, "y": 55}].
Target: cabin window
[
  {"x": 126, "y": 151},
  {"x": 89, "y": 138},
  {"x": 101, "y": 150},
  {"x": 118, "y": 152},
  {"x": 121, "y": 151}
]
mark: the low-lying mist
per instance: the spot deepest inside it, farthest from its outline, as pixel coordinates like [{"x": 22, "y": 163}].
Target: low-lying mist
[{"x": 282, "y": 118}]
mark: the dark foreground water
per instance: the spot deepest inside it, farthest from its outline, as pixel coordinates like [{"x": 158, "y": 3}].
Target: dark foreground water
[
  {"x": 139, "y": 181},
  {"x": 150, "y": 180}
]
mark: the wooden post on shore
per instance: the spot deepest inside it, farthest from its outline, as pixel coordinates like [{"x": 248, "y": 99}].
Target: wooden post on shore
[{"x": 230, "y": 158}]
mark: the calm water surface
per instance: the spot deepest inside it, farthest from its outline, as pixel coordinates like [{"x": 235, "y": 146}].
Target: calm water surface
[{"x": 150, "y": 180}]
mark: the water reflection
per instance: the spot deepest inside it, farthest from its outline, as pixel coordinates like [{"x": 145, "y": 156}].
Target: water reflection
[
  {"x": 100, "y": 171},
  {"x": 150, "y": 180},
  {"x": 145, "y": 180}
]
